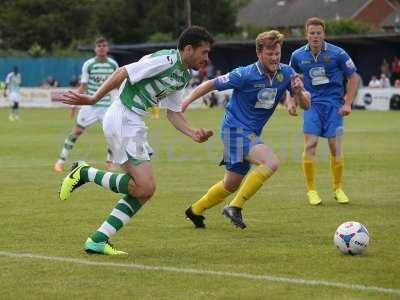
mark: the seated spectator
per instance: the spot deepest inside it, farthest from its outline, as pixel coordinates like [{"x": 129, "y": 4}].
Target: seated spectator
[
  {"x": 212, "y": 100},
  {"x": 397, "y": 83},
  {"x": 75, "y": 81},
  {"x": 195, "y": 81},
  {"x": 385, "y": 82},
  {"x": 50, "y": 82},
  {"x": 210, "y": 70},
  {"x": 218, "y": 73},
  {"x": 374, "y": 82},
  {"x": 395, "y": 69}
]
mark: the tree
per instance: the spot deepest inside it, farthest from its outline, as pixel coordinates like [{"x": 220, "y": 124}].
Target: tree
[
  {"x": 25, "y": 22},
  {"x": 54, "y": 24}
]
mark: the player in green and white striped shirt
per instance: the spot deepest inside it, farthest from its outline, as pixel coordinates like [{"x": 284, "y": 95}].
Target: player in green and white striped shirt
[
  {"x": 160, "y": 76},
  {"x": 13, "y": 83},
  {"x": 94, "y": 72}
]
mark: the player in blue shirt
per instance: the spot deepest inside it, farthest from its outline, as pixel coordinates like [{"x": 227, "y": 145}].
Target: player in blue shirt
[
  {"x": 257, "y": 90},
  {"x": 324, "y": 67}
]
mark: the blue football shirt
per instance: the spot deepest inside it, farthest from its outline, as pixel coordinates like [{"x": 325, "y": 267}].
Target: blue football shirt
[
  {"x": 323, "y": 75},
  {"x": 255, "y": 95}
]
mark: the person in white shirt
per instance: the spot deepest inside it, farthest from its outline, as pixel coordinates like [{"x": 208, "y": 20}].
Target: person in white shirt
[
  {"x": 13, "y": 83},
  {"x": 385, "y": 82},
  {"x": 374, "y": 82}
]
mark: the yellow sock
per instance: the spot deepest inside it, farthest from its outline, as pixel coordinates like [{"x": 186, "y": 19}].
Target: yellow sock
[
  {"x": 216, "y": 194},
  {"x": 337, "y": 166},
  {"x": 309, "y": 172},
  {"x": 155, "y": 112},
  {"x": 252, "y": 183}
]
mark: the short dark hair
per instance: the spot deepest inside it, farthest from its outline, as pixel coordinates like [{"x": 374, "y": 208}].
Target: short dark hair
[
  {"x": 194, "y": 36},
  {"x": 100, "y": 40}
]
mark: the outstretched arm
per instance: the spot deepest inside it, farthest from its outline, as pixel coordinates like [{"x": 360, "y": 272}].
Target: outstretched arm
[
  {"x": 198, "y": 92},
  {"x": 81, "y": 90},
  {"x": 179, "y": 121},
  {"x": 112, "y": 82}
]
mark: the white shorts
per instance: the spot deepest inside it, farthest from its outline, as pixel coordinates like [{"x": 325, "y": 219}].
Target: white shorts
[
  {"x": 126, "y": 134},
  {"x": 88, "y": 115},
  {"x": 14, "y": 97}
]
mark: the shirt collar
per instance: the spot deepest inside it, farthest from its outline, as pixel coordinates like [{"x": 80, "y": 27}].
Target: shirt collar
[
  {"x": 261, "y": 69},
  {"x": 324, "y": 46}
]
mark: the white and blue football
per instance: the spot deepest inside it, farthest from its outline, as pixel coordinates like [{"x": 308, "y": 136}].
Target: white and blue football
[{"x": 351, "y": 238}]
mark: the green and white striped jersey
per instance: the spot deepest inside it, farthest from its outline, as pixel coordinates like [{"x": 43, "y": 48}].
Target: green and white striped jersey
[
  {"x": 155, "y": 77},
  {"x": 13, "y": 82},
  {"x": 94, "y": 73}
]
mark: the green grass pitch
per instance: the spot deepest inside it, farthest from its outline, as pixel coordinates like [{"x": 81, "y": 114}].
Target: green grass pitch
[{"x": 286, "y": 238}]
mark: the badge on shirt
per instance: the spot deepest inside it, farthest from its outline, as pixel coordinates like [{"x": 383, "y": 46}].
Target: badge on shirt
[
  {"x": 223, "y": 78},
  {"x": 266, "y": 98},
  {"x": 259, "y": 85},
  {"x": 318, "y": 76},
  {"x": 326, "y": 59},
  {"x": 279, "y": 77}
]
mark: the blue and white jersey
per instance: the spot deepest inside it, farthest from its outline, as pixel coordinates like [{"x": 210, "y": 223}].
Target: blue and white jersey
[
  {"x": 255, "y": 95},
  {"x": 323, "y": 75}
]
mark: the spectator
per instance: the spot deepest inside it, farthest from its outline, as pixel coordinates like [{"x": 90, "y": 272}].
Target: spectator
[
  {"x": 395, "y": 69},
  {"x": 385, "y": 82},
  {"x": 374, "y": 82},
  {"x": 75, "y": 81},
  {"x": 50, "y": 82},
  {"x": 397, "y": 83},
  {"x": 195, "y": 81},
  {"x": 210, "y": 70},
  {"x": 385, "y": 68},
  {"x": 212, "y": 100}
]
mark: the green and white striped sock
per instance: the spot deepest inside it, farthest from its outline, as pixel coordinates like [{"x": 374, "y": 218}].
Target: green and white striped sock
[
  {"x": 125, "y": 209},
  {"x": 116, "y": 182},
  {"x": 69, "y": 143}
]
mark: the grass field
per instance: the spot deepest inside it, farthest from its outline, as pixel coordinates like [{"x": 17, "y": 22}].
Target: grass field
[{"x": 285, "y": 253}]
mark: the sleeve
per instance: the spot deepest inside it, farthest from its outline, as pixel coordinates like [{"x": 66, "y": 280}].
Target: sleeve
[
  {"x": 293, "y": 63},
  {"x": 149, "y": 66},
  {"x": 114, "y": 62},
  {"x": 173, "y": 101},
  {"x": 85, "y": 72},
  {"x": 346, "y": 64},
  {"x": 8, "y": 78},
  {"x": 291, "y": 72},
  {"x": 231, "y": 80}
]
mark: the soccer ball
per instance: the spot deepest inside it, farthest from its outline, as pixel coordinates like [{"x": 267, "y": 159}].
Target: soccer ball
[{"x": 351, "y": 238}]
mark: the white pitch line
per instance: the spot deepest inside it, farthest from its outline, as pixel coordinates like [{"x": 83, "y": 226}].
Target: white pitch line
[{"x": 271, "y": 278}]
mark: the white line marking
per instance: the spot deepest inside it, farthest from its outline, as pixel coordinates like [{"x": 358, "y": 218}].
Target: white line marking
[{"x": 358, "y": 287}]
